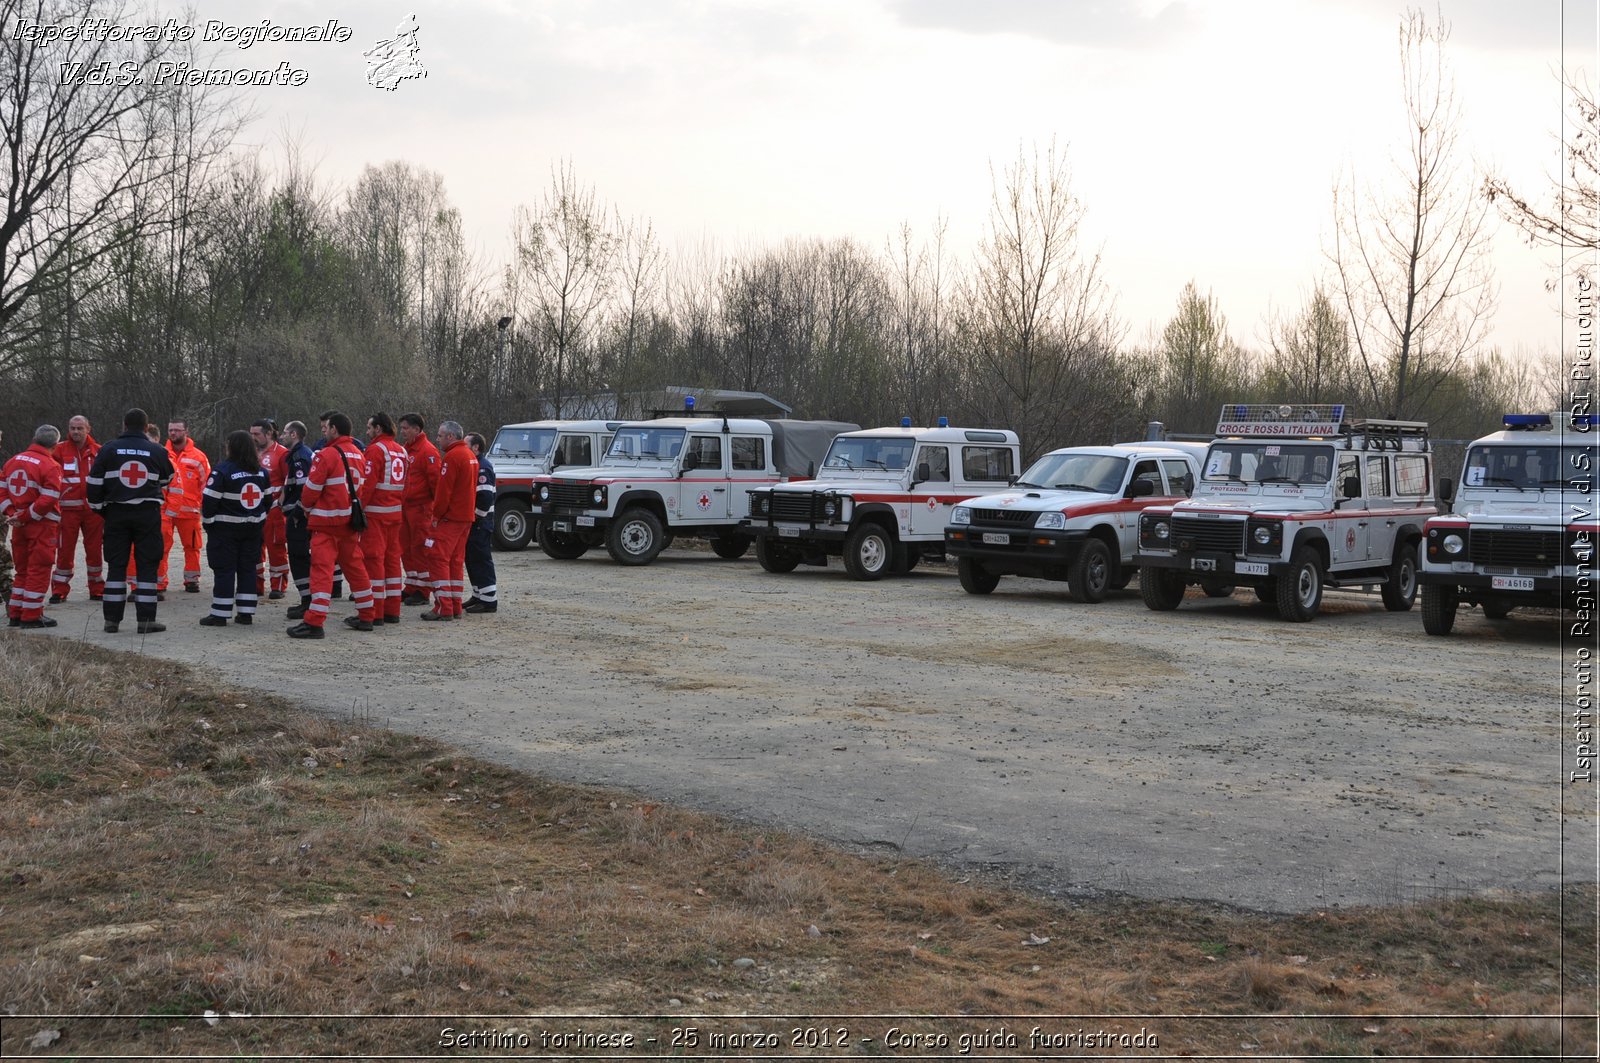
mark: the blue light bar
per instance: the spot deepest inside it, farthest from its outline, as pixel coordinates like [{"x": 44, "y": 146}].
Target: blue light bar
[
  {"x": 1527, "y": 420},
  {"x": 944, "y": 422},
  {"x": 905, "y": 422},
  {"x": 688, "y": 402}
]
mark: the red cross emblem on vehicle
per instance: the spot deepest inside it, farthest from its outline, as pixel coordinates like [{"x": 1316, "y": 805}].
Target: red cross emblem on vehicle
[
  {"x": 933, "y": 503},
  {"x": 133, "y": 474},
  {"x": 704, "y": 501},
  {"x": 1350, "y": 539},
  {"x": 250, "y": 496},
  {"x": 18, "y": 483}
]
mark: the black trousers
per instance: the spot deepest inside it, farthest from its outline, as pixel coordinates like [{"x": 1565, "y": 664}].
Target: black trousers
[
  {"x": 134, "y": 529},
  {"x": 233, "y": 551},
  {"x": 298, "y": 538},
  {"x": 480, "y": 563}
]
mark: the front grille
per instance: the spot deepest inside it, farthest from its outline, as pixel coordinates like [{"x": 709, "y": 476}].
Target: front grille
[
  {"x": 1226, "y": 536},
  {"x": 793, "y": 505},
  {"x": 1011, "y": 518},
  {"x": 1540, "y": 549},
  {"x": 578, "y": 496}
]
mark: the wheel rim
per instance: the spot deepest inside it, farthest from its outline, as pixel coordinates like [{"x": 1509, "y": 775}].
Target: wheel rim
[
  {"x": 512, "y": 526},
  {"x": 1408, "y": 578},
  {"x": 874, "y": 552},
  {"x": 1306, "y": 586},
  {"x": 1097, "y": 572},
  {"x": 636, "y": 537}
]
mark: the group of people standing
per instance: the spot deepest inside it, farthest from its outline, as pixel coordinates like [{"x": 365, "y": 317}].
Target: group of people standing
[{"x": 401, "y": 520}]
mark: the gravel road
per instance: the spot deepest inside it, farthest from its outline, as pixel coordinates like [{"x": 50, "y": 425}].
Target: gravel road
[{"x": 1213, "y": 753}]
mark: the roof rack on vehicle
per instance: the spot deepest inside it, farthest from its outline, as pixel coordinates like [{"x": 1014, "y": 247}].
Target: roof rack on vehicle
[{"x": 1382, "y": 434}]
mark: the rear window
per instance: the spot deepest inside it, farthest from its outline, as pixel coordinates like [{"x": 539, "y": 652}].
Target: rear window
[{"x": 986, "y": 463}]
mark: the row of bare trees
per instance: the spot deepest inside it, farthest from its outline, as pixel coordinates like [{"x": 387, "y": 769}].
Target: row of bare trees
[{"x": 141, "y": 262}]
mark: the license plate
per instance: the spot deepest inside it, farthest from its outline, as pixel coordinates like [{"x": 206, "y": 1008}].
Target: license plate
[
  {"x": 561, "y": 525},
  {"x": 789, "y": 533},
  {"x": 1251, "y": 568},
  {"x": 585, "y": 522},
  {"x": 997, "y": 538},
  {"x": 1511, "y": 583},
  {"x": 1203, "y": 564}
]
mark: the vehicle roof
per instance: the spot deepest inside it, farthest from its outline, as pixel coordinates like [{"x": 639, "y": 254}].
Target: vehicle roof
[
  {"x": 1561, "y": 435},
  {"x": 1123, "y": 450},
  {"x": 931, "y": 435},
  {"x": 578, "y": 426},
  {"x": 746, "y": 425}
]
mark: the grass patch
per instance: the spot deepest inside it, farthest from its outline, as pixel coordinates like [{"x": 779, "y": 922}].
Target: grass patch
[{"x": 169, "y": 848}]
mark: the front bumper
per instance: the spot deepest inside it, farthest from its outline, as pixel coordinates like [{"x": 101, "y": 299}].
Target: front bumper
[
  {"x": 1207, "y": 564},
  {"x": 793, "y": 531},
  {"x": 1552, "y": 586},
  {"x": 1016, "y": 551},
  {"x": 571, "y": 521}
]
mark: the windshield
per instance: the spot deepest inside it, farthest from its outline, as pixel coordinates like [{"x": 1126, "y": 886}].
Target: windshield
[
  {"x": 1529, "y": 467},
  {"x": 1269, "y": 463},
  {"x": 865, "y": 452},
  {"x": 522, "y": 443},
  {"x": 645, "y": 443},
  {"x": 1101, "y": 473}
]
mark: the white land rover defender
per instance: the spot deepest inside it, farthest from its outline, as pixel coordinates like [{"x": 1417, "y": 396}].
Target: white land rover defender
[
  {"x": 521, "y": 452},
  {"x": 673, "y": 476},
  {"x": 1293, "y": 499},
  {"x": 1523, "y": 526},
  {"x": 1073, "y": 516},
  {"x": 881, "y": 499}
]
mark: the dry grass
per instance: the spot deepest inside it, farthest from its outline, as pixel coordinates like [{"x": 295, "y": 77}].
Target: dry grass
[{"x": 168, "y": 849}]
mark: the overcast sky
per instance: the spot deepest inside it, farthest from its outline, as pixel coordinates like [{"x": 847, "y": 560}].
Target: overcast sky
[{"x": 1204, "y": 136}]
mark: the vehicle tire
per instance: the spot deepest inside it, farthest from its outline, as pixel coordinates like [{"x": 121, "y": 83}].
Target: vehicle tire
[
  {"x": 1161, "y": 588},
  {"x": 563, "y": 546},
  {"x": 1439, "y": 603},
  {"x": 775, "y": 557},
  {"x": 975, "y": 579},
  {"x": 730, "y": 547},
  {"x": 635, "y": 537},
  {"x": 1300, "y": 589},
  {"x": 1267, "y": 593},
  {"x": 905, "y": 559},
  {"x": 1217, "y": 590},
  {"x": 512, "y": 528},
  {"x": 1401, "y": 590},
  {"x": 1089, "y": 579},
  {"x": 868, "y": 551},
  {"x": 1497, "y": 610}
]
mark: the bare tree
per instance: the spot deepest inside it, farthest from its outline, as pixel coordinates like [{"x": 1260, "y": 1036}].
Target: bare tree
[
  {"x": 1412, "y": 262},
  {"x": 82, "y": 141},
  {"x": 1201, "y": 366},
  {"x": 1572, "y": 221},
  {"x": 1311, "y": 359}
]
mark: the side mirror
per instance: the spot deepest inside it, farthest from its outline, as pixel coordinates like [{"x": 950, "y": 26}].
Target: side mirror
[
  {"x": 691, "y": 460},
  {"x": 923, "y": 472},
  {"x": 1351, "y": 488},
  {"x": 1447, "y": 490},
  {"x": 1141, "y": 489}
]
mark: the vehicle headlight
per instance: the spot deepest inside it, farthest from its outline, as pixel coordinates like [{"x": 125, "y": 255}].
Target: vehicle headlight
[
  {"x": 1162, "y": 530},
  {"x": 961, "y": 515},
  {"x": 544, "y": 492},
  {"x": 830, "y": 509},
  {"x": 1048, "y": 521},
  {"x": 1262, "y": 535},
  {"x": 599, "y": 496},
  {"x": 763, "y": 504},
  {"x": 1454, "y": 544}
]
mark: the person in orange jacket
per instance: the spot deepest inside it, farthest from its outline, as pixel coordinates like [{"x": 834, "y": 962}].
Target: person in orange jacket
[
  {"x": 180, "y": 514},
  {"x": 383, "y": 485},
  {"x": 422, "y": 480},
  {"x": 272, "y": 574},
  {"x": 75, "y": 454},
  {"x": 333, "y": 483},
  {"x": 30, "y": 504},
  {"x": 454, "y": 511}
]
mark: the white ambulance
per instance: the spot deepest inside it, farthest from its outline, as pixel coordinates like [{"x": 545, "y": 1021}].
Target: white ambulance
[
  {"x": 521, "y": 452},
  {"x": 1523, "y": 526},
  {"x": 1293, "y": 499}
]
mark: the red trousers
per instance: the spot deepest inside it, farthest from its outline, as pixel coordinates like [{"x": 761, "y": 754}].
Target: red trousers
[
  {"x": 447, "y": 565},
  {"x": 74, "y": 519},
  {"x": 417, "y": 522},
  {"x": 273, "y": 572},
  {"x": 380, "y": 544},
  {"x": 341, "y": 547},
  {"x": 188, "y": 532},
  {"x": 33, "y": 551}
]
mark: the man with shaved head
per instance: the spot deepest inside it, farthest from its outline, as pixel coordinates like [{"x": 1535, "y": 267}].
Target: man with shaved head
[{"x": 75, "y": 454}]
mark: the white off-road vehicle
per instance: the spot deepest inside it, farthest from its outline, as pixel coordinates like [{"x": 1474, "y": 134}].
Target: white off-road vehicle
[
  {"x": 881, "y": 499},
  {"x": 1073, "y": 516},
  {"x": 521, "y": 452},
  {"x": 1293, "y": 499},
  {"x": 673, "y": 476},
  {"x": 1523, "y": 527}
]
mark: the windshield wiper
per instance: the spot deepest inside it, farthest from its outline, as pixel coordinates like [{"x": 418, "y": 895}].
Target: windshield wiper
[
  {"x": 1278, "y": 480},
  {"x": 1025, "y": 483},
  {"x": 1504, "y": 480},
  {"x": 1224, "y": 476},
  {"x": 880, "y": 464},
  {"x": 1078, "y": 487}
]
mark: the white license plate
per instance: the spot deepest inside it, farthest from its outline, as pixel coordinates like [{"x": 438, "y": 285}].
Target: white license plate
[
  {"x": 1251, "y": 568},
  {"x": 997, "y": 538},
  {"x": 789, "y": 533},
  {"x": 585, "y": 522},
  {"x": 1511, "y": 583},
  {"x": 561, "y": 525}
]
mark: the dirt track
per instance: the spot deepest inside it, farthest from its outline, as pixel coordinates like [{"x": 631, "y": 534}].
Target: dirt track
[{"x": 1214, "y": 753}]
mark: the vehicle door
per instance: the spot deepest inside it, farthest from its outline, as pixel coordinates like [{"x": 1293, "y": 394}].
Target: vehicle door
[
  {"x": 1347, "y": 532},
  {"x": 1380, "y": 496},
  {"x": 748, "y": 470},
  {"x": 572, "y": 450},
  {"x": 1126, "y": 519},
  {"x": 703, "y": 487},
  {"x": 929, "y": 512}
]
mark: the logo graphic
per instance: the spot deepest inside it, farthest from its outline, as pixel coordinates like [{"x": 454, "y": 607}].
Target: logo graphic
[
  {"x": 392, "y": 61},
  {"x": 704, "y": 501},
  {"x": 133, "y": 474},
  {"x": 397, "y": 470},
  {"x": 933, "y": 504},
  {"x": 18, "y": 484},
  {"x": 250, "y": 496},
  {"x": 1350, "y": 539}
]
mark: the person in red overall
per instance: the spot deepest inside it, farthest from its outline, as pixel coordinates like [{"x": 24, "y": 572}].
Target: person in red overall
[
  {"x": 272, "y": 574},
  {"x": 454, "y": 511},
  {"x": 333, "y": 483},
  {"x": 75, "y": 454},
  {"x": 422, "y": 478},
  {"x": 180, "y": 515},
  {"x": 29, "y": 504},
  {"x": 383, "y": 485}
]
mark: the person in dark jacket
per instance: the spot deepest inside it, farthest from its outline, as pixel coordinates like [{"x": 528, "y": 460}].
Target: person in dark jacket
[
  {"x": 297, "y": 534},
  {"x": 233, "y": 508},
  {"x": 480, "y": 541},
  {"x": 126, "y": 486}
]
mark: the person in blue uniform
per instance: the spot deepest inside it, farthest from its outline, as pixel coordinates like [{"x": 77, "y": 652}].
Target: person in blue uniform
[
  {"x": 233, "y": 508},
  {"x": 480, "y": 541}
]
